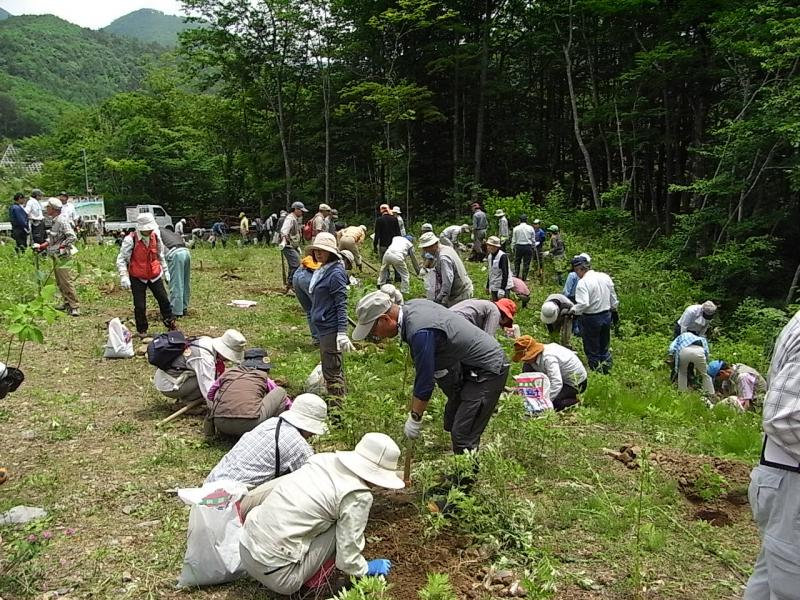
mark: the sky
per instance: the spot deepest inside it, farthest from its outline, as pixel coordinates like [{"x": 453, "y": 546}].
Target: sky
[{"x": 88, "y": 13}]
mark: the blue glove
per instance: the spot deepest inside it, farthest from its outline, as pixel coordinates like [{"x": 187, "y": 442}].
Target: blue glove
[{"x": 379, "y": 567}]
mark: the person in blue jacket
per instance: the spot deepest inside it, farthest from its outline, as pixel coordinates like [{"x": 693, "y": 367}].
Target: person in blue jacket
[
  {"x": 20, "y": 230},
  {"x": 328, "y": 289}
]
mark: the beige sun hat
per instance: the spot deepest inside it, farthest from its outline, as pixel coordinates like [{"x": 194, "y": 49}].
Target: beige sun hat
[
  {"x": 348, "y": 256},
  {"x": 146, "y": 222},
  {"x": 428, "y": 239},
  {"x": 230, "y": 345},
  {"x": 494, "y": 241},
  {"x": 54, "y": 203},
  {"x": 396, "y": 210},
  {"x": 324, "y": 208},
  {"x": 499, "y": 213},
  {"x": 327, "y": 242},
  {"x": 308, "y": 413},
  {"x": 375, "y": 460}
]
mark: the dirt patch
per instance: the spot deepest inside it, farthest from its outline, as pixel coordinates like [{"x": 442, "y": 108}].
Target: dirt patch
[{"x": 717, "y": 518}]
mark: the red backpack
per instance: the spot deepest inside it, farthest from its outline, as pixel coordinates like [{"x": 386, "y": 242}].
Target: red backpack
[{"x": 308, "y": 230}]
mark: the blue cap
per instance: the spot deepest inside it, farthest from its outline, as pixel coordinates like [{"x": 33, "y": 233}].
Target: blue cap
[
  {"x": 410, "y": 238},
  {"x": 714, "y": 367}
]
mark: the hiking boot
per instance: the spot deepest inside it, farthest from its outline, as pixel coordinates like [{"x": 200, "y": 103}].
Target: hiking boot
[
  {"x": 170, "y": 325},
  {"x": 74, "y": 312},
  {"x": 62, "y": 307}
]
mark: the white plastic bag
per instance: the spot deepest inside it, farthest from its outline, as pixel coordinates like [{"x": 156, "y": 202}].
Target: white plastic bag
[
  {"x": 315, "y": 382},
  {"x": 212, "y": 545},
  {"x": 535, "y": 390},
  {"x": 120, "y": 341}
]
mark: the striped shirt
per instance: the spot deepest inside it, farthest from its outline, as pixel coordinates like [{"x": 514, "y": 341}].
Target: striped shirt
[{"x": 782, "y": 402}]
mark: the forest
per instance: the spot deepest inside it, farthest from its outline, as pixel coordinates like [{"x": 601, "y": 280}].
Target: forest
[{"x": 676, "y": 122}]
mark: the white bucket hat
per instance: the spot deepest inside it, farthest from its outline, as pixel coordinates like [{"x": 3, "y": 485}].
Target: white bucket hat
[
  {"x": 499, "y": 213},
  {"x": 348, "y": 256},
  {"x": 549, "y": 313},
  {"x": 325, "y": 241},
  {"x": 374, "y": 460},
  {"x": 308, "y": 413},
  {"x": 494, "y": 241},
  {"x": 396, "y": 210},
  {"x": 230, "y": 345},
  {"x": 146, "y": 222},
  {"x": 324, "y": 208},
  {"x": 428, "y": 239},
  {"x": 427, "y": 227},
  {"x": 709, "y": 307}
]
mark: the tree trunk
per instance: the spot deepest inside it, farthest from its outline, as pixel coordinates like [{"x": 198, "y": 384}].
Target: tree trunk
[
  {"x": 326, "y": 101},
  {"x": 481, "y": 109}
]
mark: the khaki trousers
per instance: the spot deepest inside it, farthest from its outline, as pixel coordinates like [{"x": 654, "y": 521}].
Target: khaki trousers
[{"x": 64, "y": 282}]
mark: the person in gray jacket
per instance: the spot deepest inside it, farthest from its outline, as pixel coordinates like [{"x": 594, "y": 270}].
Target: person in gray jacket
[
  {"x": 452, "y": 284},
  {"x": 467, "y": 364}
]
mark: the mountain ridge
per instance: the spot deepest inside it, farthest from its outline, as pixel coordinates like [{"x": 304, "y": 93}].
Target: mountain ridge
[{"x": 150, "y": 26}]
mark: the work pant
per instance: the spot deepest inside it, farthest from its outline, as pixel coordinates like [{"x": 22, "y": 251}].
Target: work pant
[
  {"x": 300, "y": 283},
  {"x": 20, "y": 238},
  {"x": 64, "y": 282},
  {"x": 179, "y": 261},
  {"x": 381, "y": 253},
  {"x": 694, "y": 356},
  {"x": 38, "y": 233},
  {"x": 399, "y": 263},
  {"x": 478, "y": 239},
  {"x": 139, "y": 292},
  {"x": 348, "y": 243},
  {"x": 568, "y": 395},
  {"x": 222, "y": 238},
  {"x": 522, "y": 257},
  {"x": 596, "y": 331},
  {"x": 292, "y": 260},
  {"x": 471, "y": 401},
  {"x": 188, "y": 391},
  {"x": 775, "y": 501},
  {"x": 271, "y": 406},
  {"x": 332, "y": 365},
  {"x": 290, "y": 578}
]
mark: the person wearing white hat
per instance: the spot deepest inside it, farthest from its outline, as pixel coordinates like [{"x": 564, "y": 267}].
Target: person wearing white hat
[
  {"x": 451, "y": 283},
  {"x": 502, "y": 224},
  {"x": 351, "y": 238},
  {"x": 269, "y": 228},
  {"x": 244, "y": 227},
  {"x": 60, "y": 245},
  {"x": 555, "y": 314},
  {"x": 426, "y": 227},
  {"x": 179, "y": 226},
  {"x": 328, "y": 291},
  {"x": 192, "y": 374},
  {"x": 291, "y": 231},
  {"x": 498, "y": 270},
  {"x": 142, "y": 265},
  {"x": 401, "y": 249},
  {"x": 397, "y": 212},
  {"x": 314, "y": 519},
  {"x": 277, "y": 446},
  {"x": 319, "y": 223},
  {"x": 695, "y": 318}
]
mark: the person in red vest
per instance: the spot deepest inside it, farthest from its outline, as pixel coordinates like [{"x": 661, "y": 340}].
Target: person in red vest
[{"x": 142, "y": 264}]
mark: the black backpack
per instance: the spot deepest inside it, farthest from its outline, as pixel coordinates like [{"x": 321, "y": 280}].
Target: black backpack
[
  {"x": 166, "y": 348},
  {"x": 12, "y": 380}
]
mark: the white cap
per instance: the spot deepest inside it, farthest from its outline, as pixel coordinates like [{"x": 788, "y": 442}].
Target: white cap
[
  {"x": 709, "y": 307},
  {"x": 428, "y": 239},
  {"x": 308, "y": 413},
  {"x": 375, "y": 460},
  {"x": 396, "y": 210},
  {"x": 465, "y": 228},
  {"x": 230, "y": 345},
  {"x": 549, "y": 313},
  {"x": 427, "y": 227}
]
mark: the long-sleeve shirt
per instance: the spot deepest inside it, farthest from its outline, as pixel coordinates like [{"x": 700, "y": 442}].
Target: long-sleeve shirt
[
  {"x": 481, "y": 313},
  {"x": 522, "y": 235},
  {"x": 684, "y": 341},
  {"x": 179, "y": 227},
  {"x": 386, "y": 229},
  {"x": 452, "y": 232},
  {"x": 693, "y": 320},
  {"x": 329, "y": 299},
  {"x": 570, "y": 284},
  {"x": 782, "y": 403},
  {"x": 401, "y": 249},
  {"x": 556, "y": 246},
  {"x": 355, "y": 233},
  {"x": 453, "y": 277},
  {"x": 68, "y": 211},
  {"x": 318, "y": 225},
  {"x": 202, "y": 361},
  {"x": 561, "y": 365},
  {"x": 244, "y": 225},
  {"x": 479, "y": 220},
  {"x": 252, "y": 460},
  {"x": 539, "y": 236},
  {"x": 61, "y": 236},
  {"x": 290, "y": 231},
  {"x": 322, "y": 494},
  {"x": 423, "y": 349},
  {"x": 18, "y": 217},
  {"x": 126, "y": 250},
  {"x": 594, "y": 294},
  {"x": 502, "y": 227}
]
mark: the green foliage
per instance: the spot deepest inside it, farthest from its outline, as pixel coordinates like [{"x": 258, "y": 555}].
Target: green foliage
[
  {"x": 367, "y": 588},
  {"x": 709, "y": 484},
  {"x": 437, "y": 587},
  {"x": 150, "y": 26}
]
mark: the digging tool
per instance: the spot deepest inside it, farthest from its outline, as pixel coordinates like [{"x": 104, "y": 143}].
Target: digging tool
[
  {"x": 369, "y": 265},
  {"x": 409, "y": 441},
  {"x": 283, "y": 270},
  {"x": 180, "y": 411}
]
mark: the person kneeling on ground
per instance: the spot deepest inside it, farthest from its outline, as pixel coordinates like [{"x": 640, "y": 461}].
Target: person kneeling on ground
[
  {"x": 555, "y": 314},
  {"x": 244, "y": 396},
  {"x": 142, "y": 264},
  {"x": 744, "y": 387},
  {"x": 193, "y": 373},
  {"x": 487, "y": 315},
  {"x": 690, "y": 350},
  {"x": 314, "y": 519},
  {"x": 276, "y": 447},
  {"x": 562, "y": 366}
]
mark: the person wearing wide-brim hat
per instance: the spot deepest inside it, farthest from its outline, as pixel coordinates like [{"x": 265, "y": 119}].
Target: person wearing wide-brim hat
[
  {"x": 451, "y": 282},
  {"x": 313, "y": 520},
  {"x": 502, "y": 224},
  {"x": 555, "y": 314},
  {"x": 562, "y": 366},
  {"x": 328, "y": 291},
  {"x": 244, "y": 227},
  {"x": 498, "y": 270},
  {"x": 351, "y": 238},
  {"x": 60, "y": 245},
  {"x": 275, "y": 447},
  {"x": 244, "y": 397},
  {"x": 142, "y": 265},
  {"x": 192, "y": 374}
]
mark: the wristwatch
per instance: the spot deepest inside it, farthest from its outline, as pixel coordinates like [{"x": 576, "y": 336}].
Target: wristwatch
[{"x": 415, "y": 416}]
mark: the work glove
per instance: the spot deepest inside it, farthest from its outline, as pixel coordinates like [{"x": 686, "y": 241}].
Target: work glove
[
  {"x": 343, "y": 343},
  {"x": 125, "y": 283},
  {"x": 412, "y": 428},
  {"x": 392, "y": 292},
  {"x": 501, "y": 293},
  {"x": 166, "y": 276},
  {"x": 379, "y": 567}
]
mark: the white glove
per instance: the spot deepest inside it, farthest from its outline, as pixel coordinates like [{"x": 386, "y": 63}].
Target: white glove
[
  {"x": 343, "y": 343},
  {"x": 392, "y": 292},
  {"x": 166, "y": 276},
  {"x": 501, "y": 293},
  {"x": 412, "y": 428},
  {"x": 125, "y": 283}
]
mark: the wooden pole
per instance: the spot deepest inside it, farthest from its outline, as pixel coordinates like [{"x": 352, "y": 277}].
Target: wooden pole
[
  {"x": 409, "y": 441},
  {"x": 181, "y": 411}
]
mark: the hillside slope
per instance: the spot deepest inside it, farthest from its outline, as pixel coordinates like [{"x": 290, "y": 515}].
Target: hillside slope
[{"x": 150, "y": 26}]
